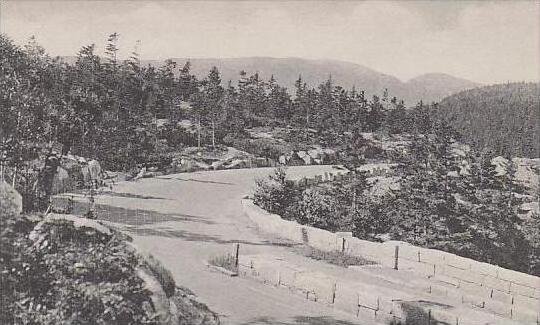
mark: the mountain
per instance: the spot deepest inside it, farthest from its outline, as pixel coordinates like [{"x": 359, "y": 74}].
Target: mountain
[
  {"x": 436, "y": 86},
  {"x": 429, "y": 87},
  {"x": 502, "y": 119}
]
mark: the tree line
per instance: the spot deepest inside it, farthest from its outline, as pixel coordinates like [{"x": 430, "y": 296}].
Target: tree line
[{"x": 104, "y": 107}]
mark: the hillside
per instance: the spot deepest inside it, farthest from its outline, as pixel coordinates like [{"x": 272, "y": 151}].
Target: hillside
[
  {"x": 429, "y": 87},
  {"x": 435, "y": 86},
  {"x": 500, "y": 118}
]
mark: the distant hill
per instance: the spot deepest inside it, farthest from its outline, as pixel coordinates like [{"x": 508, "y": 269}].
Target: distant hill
[
  {"x": 436, "y": 86},
  {"x": 429, "y": 87},
  {"x": 501, "y": 118}
]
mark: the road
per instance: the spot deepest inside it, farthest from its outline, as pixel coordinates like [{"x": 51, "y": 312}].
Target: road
[{"x": 186, "y": 219}]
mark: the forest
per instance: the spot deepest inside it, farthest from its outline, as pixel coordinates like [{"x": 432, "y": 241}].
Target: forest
[
  {"x": 502, "y": 118},
  {"x": 105, "y": 108}
]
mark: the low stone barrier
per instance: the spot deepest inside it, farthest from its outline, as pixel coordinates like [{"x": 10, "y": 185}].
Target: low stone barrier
[{"x": 512, "y": 294}]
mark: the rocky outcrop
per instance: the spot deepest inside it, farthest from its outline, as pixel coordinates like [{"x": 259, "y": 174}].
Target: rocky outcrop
[
  {"x": 315, "y": 156},
  {"x": 169, "y": 305},
  {"x": 76, "y": 172}
]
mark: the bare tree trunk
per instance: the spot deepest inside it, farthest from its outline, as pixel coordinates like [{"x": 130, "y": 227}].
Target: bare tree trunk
[
  {"x": 199, "y": 133},
  {"x": 213, "y": 135},
  {"x": 14, "y": 177}
]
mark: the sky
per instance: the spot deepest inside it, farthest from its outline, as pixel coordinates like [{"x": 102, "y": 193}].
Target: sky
[{"x": 484, "y": 41}]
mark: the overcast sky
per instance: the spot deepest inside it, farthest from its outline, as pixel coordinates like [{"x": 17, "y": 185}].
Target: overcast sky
[{"x": 489, "y": 41}]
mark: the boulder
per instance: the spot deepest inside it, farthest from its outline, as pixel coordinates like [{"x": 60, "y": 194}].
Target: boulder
[
  {"x": 94, "y": 169},
  {"x": 500, "y": 164},
  {"x": 316, "y": 153},
  {"x": 10, "y": 199},
  {"x": 283, "y": 160},
  {"x": 295, "y": 160},
  {"x": 305, "y": 157},
  {"x": 237, "y": 163},
  {"x": 61, "y": 181}
]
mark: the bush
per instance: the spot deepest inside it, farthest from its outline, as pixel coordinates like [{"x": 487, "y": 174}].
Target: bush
[
  {"x": 531, "y": 231},
  {"x": 226, "y": 261},
  {"x": 336, "y": 257},
  {"x": 320, "y": 210},
  {"x": 275, "y": 194}
]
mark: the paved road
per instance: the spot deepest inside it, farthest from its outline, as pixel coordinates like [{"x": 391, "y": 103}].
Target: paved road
[{"x": 185, "y": 219}]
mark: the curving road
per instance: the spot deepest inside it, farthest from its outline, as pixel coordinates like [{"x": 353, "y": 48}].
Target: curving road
[{"x": 185, "y": 219}]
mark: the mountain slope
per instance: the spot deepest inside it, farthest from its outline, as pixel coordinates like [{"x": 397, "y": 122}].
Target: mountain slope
[
  {"x": 501, "y": 118},
  {"x": 436, "y": 86},
  {"x": 431, "y": 87}
]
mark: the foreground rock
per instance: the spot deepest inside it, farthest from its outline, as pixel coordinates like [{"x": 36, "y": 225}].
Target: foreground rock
[{"x": 64, "y": 268}]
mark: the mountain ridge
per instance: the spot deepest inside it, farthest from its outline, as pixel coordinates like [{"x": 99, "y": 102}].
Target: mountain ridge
[{"x": 430, "y": 87}]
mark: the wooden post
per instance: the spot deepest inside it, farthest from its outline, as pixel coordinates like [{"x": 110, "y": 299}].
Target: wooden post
[
  {"x": 236, "y": 255},
  {"x": 429, "y": 317},
  {"x": 343, "y": 245},
  {"x": 396, "y": 257}
]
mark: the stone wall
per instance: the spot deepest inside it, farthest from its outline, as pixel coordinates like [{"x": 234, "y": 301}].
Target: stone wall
[{"x": 509, "y": 294}]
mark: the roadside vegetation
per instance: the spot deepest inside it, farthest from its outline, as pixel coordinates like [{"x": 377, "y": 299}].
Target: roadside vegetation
[
  {"x": 456, "y": 201},
  {"x": 226, "y": 261},
  {"x": 335, "y": 257}
]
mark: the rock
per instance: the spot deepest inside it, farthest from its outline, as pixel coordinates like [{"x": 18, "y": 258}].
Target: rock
[
  {"x": 86, "y": 173},
  {"x": 61, "y": 181},
  {"x": 159, "y": 298},
  {"x": 95, "y": 170},
  {"x": 500, "y": 164},
  {"x": 305, "y": 157},
  {"x": 283, "y": 160},
  {"x": 141, "y": 173},
  {"x": 237, "y": 163},
  {"x": 10, "y": 199}
]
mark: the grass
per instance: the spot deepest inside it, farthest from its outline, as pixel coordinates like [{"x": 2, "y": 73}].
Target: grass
[
  {"x": 162, "y": 274},
  {"x": 336, "y": 257},
  {"x": 226, "y": 261}
]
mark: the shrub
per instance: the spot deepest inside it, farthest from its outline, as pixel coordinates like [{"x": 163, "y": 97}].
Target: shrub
[
  {"x": 320, "y": 209},
  {"x": 275, "y": 194},
  {"x": 336, "y": 257},
  {"x": 532, "y": 235},
  {"x": 226, "y": 261}
]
